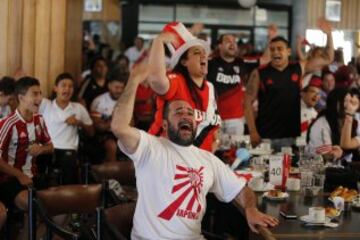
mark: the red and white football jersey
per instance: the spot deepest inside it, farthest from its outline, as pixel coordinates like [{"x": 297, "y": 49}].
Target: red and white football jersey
[{"x": 16, "y": 135}]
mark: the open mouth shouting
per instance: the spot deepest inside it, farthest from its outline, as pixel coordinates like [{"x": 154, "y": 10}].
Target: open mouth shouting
[{"x": 186, "y": 127}]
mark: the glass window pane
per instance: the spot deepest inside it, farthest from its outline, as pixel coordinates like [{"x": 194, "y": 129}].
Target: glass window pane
[
  {"x": 155, "y": 13},
  {"x": 206, "y": 15},
  {"x": 261, "y": 39},
  {"x": 264, "y": 17}
]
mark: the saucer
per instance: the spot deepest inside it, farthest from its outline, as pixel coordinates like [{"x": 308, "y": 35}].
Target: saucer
[
  {"x": 310, "y": 222},
  {"x": 283, "y": 196}
]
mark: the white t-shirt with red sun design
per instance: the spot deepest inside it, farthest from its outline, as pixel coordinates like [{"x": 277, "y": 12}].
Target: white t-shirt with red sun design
[{"x": 172, "y": 183}]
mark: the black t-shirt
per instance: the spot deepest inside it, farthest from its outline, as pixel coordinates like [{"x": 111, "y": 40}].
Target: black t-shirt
[
  {"x": 225, "y": 76},
  {"x": 228, "y": 81},
  {"x": 279, "y": 102},
  {"x": 89, "y": 90}
]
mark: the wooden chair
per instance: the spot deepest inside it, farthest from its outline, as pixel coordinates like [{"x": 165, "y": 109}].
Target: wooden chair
[
  {"x": 119, "y": 221},
  {"x": 123, "y": 172},
  {"x": 67, "y": 199}
]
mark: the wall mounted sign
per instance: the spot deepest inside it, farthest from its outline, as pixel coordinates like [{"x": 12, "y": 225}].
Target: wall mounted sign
[
  {"x": 333, "y": 10},
  {"x": 93, "y": 5}
]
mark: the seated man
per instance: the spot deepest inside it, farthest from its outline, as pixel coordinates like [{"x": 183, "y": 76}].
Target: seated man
[
  {"x": 310, "y": 96},
  {"x": 101, "y": 111},
  {"x": 23, "y": 137},
  {"x": 174, "y": 176},
  {"x": 7, "y": 87},
  {"x": 64, "y": 118}
]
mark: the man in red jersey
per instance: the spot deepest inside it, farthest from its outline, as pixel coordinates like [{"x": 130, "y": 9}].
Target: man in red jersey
[{"x": 23, "y": 136}]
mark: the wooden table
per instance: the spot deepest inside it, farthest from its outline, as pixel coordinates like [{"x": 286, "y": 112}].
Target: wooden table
[{"x": 349, "y": 222}]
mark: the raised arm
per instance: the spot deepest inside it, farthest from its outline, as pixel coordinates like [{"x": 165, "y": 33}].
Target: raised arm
[
  {"x": 272, "y": 32},
  {"x": 317, "y": 63},
  {"x": 251, "y": 94},
  {"x": 246, "y": 200},
  {"x": 124, "y": 108},
  {"x": 299, "y": 48},
  {"x": 351, "y": 106},
  {"x": 157, "y": 69}
]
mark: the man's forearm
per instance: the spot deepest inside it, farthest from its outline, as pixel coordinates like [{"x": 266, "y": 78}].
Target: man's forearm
[
  {"x": 47, "y": 148},
  {"x": 330, "y": 47},
  {"x": 157, "y": 70},
  {"x": 9, "y": 170},
  {"x": 249, "y": 115},
  {"x": 124, "y": 108},
  {"x": 245, "y": 199}
]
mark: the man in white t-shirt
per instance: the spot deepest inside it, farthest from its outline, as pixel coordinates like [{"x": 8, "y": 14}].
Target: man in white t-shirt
[
  {"x": 173, "y": 176},
  {"x": 101, "y": 111},
  {"x": 63, "y": 119},
  {"x": 133, "y": 53}
]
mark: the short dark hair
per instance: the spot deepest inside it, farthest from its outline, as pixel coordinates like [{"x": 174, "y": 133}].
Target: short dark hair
[
  {"x": 221, "y": 38},
  {"x": 24, "y": 83},
  {"x": 95, "y": 60},
  {"x": 63, "y": 76},
  {"x": 7, "y": 85},
  {"x": 280, "y": 39},
  {"x": 166, "y": 110},
  {"x": 118, "y": 76}
]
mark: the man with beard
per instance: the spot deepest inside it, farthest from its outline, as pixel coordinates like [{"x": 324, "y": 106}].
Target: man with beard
[
  {"x": 277, "y": 86},
  {"x": 228, "y": 75},
  {"x": 172, "y": 175},
  {"x": 310, "y": 95},
  {"x": 101, "y": 112}
]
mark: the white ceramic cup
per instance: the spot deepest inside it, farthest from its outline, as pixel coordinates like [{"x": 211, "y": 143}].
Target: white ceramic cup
[
  {"x": 293, "y": 184},
  {"x": 257, "y": 183},
  {"x": 317, "y": 214},
  {"x": 266, "y": 145}
]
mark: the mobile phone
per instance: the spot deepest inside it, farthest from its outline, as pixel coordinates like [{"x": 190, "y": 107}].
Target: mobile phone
[{"x": 287, "y": 211}]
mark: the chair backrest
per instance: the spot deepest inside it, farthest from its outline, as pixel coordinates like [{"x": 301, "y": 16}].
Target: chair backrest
[
  {"x": 71, "y": 199},
  {"x": 123, "y": 172},
  {"x": 51, "y": 226},
  {"x": 64, "y": 200},
  {"x": 120, "y": 218}
]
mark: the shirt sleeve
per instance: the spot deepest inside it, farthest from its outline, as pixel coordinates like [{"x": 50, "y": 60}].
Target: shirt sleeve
[
  {"x": 143, "y": 151},
  {"x": 5, "y": 136},
  {"x": 94, "y": 111},
  {"x": 45, "y": 103},
  {"x": 84, "y": 115},
  {"x": 45, "y": 137},
  {"x": 226, "y": 184},
  {"x": 173, "y": 88}
]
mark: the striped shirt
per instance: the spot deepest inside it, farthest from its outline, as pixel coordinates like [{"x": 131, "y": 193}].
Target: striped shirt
[{"x": 16, "y": 135}]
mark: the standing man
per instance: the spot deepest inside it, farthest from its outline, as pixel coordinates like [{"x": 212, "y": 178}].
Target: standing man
[
  {"x": 174, "y": 176},
  {"x": 277, "y": 88},
  {"x": 227, "y": 73}
]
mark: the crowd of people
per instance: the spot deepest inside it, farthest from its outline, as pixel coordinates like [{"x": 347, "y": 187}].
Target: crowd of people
[{"x": 165, "y": 108}]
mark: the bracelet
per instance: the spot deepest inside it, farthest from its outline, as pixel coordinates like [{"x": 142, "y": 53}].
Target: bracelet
[{"x": 350, "y": 114}]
